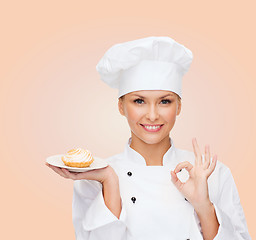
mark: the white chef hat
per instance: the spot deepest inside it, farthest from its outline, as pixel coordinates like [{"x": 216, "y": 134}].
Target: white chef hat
[{"x": 151, "y": 63}]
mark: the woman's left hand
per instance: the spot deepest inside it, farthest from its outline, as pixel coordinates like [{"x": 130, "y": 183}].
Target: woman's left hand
[{"x": 195, "y": 189}]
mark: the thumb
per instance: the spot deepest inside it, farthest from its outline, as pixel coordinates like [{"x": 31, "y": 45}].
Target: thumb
[{"x": 176, "y": 181}]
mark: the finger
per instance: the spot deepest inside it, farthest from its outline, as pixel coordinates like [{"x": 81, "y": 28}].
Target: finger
[
  {"x": 47, "y": 164},
  {"x": 178, "y": 184},
  {"x": 69, "y": 174},
  {"x": 207, "y": 157},
  {"x": 187, "y": 165},
  {"x": 198, "y": 159},
  {"x": 212, "y": 166},
  {"x": 58, "y": 170}
]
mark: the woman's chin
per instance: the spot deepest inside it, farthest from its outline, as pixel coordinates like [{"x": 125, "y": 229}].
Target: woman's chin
[{"x": 151, "y": 139}]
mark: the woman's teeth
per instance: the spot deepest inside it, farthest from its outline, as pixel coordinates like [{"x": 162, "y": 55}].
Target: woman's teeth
[{"x": 151, "y": 127}]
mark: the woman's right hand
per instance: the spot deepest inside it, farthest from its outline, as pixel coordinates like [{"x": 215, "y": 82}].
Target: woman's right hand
[{"x": 101, "y": 175}]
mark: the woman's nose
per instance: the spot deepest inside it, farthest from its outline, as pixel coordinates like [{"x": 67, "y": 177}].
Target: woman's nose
[{"x": 152, "y": 113}]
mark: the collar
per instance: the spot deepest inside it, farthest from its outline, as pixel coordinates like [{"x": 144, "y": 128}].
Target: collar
[{"x": 169, "y": 157}]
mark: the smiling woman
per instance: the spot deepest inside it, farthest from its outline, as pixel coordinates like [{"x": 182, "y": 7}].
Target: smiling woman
[
  {"x": 143, "y": 192},
  {"x": 154, "y": 111}
]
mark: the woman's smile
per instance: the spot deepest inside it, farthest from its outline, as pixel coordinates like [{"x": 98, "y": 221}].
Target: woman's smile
[{"x": 152, "y": 128}]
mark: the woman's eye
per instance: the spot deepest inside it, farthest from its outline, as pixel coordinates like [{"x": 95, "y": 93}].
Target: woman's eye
[
  {"x": 166, "y": 100},
  {"x": 138, "y": 100}
]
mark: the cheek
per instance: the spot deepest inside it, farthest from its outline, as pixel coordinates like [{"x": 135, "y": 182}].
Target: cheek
[
  {"x": 133, "y": 114},
  {"x": 170, "y": 115}
]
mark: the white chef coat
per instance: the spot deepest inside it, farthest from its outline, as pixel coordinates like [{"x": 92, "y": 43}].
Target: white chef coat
[{"x": 152, "y": 207}]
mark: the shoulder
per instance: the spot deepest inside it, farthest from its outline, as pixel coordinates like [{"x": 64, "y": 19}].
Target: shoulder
[
  {"x": 114, "y": 159},
  {"x": 185, "y": 155}
]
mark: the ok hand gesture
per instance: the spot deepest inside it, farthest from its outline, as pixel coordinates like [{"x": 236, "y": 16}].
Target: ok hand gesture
[{"x": 195, "y": 189}]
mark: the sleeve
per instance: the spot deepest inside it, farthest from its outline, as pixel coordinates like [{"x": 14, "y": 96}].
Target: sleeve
[
  {"x": 92, "y": 220},
  {"x": 229, "y": 212}
]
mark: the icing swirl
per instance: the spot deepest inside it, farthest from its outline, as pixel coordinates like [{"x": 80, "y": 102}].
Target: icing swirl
[{"x": 78, "y": 155}]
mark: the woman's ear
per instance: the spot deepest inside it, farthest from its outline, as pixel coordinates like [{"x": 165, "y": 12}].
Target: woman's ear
[
  {"x": 179, "y": 107},
  {"x": 120, "y": 106}
]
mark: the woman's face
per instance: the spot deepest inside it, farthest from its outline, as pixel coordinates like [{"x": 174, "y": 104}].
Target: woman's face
[{"x": 155, "y": 108}]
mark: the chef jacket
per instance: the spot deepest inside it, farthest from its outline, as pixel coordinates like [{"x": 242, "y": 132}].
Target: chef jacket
[{"x": 152, "y": 207}]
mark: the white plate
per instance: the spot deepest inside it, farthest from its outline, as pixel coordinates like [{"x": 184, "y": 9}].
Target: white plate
[{"x": 55, "y": 160}]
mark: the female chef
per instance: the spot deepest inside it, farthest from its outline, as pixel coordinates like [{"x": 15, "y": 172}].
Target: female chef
[{"x": 153, "y": 190}]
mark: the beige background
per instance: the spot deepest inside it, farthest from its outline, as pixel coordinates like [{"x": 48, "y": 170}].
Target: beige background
[{"x": 51, "y": 97}]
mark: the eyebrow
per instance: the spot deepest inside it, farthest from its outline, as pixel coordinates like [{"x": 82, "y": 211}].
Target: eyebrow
[{"x": 159, "y": 98}]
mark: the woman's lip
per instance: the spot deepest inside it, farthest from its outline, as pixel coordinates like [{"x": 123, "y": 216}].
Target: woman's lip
[
  {"x": 152, "y": 125},
  {"x": 152, "y": 130}
]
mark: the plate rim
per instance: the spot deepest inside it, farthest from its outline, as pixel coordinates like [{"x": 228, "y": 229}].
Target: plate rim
[{"x": 75, "y": 168}]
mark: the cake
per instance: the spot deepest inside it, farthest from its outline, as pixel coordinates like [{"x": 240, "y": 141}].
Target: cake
[{"x": 78, "y": 157}]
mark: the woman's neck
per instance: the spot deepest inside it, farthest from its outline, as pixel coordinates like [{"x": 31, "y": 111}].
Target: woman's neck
[{"x": 152, "y": 153}]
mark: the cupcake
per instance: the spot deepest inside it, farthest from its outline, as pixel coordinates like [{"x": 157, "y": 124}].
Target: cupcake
[{"x": 78, "y": 157}]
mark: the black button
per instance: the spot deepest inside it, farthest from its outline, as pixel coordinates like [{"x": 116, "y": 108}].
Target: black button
[
  {"x": 133, "y": 199},
  {"x": 180, "y": 170},
  {"x": 129, "y": 174},
  {"x": 186, "y": 199}
]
